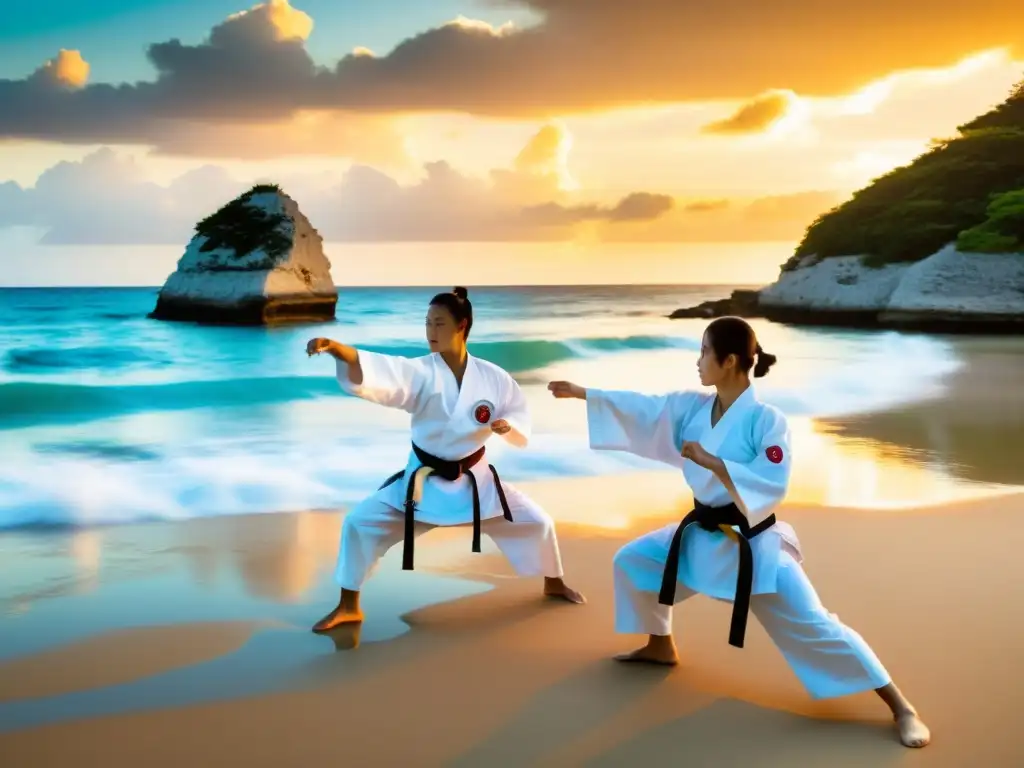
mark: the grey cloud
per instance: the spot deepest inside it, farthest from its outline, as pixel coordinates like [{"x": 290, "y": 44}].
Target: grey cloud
[
  {"x": 107, "y": 199},
  {"x": 583, "y": 55}
]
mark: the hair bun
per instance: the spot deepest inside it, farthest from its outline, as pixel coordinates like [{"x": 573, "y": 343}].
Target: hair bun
[
  {"x": 764, "y": 362},
  {"x": 460, "y": 292}
]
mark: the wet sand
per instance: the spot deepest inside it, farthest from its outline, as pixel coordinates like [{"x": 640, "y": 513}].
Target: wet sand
[
  {"x": 482, "y": 671},
  {"x": 972, "y": 431}
]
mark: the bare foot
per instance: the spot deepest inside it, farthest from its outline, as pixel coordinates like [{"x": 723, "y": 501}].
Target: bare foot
[
  {"x": 913, "y": 731},
  {"x": 340, "y": 615},
  {"x": 557, "y": 588},
  {"x": 659, "y": 650}
]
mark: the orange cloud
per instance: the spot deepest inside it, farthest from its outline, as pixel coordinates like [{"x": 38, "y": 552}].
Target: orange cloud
[
  {"x": 371, "y": 139},
  {"x": 755, "y": 116},
  {"x": 547, "y": 153},
  {"x": 635, "y": 207},
  {"x": 772, "y": 217},
  {"x": 706, "y": 206},
  {"x": 285, "y": 22},
  {"x": 67, "y": 69}
]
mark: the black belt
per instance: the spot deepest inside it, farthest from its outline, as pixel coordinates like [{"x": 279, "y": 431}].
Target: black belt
[
  {"x": 719, "y": 519},
  {"x": 450, "y": 471}
]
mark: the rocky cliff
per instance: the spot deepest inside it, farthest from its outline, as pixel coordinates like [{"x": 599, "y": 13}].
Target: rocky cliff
[
  {"x": 937, "y": 245},
  {"x": 257, "y": 260},
  {"x": 949, "y": 291}
]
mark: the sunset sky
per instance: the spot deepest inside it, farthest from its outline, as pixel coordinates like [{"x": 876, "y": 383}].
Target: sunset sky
[{"x": 595, "y": 124}]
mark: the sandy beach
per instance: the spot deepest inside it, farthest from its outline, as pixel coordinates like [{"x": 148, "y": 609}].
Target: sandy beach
[{"x": 207, "y": 660}]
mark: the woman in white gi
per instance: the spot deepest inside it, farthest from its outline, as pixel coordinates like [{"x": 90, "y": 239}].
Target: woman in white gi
[
  {"x": 457, "y": 402},
  {"x": 735, "y": 455}
]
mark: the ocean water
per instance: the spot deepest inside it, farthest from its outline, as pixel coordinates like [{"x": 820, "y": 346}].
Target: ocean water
[{"x": 107, "y": 416}]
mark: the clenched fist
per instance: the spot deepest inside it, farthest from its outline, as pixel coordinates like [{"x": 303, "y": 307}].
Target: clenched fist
[
  {"x": 566, "y": 389},
  {"x": 318, "y": 345},
  {"x": 696, "y": 453}
]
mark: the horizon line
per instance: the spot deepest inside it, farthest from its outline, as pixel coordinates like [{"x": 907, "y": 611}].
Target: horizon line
[{"x": 751, "y": 286}]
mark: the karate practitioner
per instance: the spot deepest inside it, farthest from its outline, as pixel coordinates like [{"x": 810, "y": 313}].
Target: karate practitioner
[
  {"x": 735, "y": 455},
  {"x": 456, "y": 402}
]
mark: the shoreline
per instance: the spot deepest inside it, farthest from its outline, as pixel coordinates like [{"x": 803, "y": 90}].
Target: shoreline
[
  {"x": 552, "y": 696},
  {"x": 939, "y": 448},
  {"x": 961, "y": 429},
  {"x": 306, "y": 451}
]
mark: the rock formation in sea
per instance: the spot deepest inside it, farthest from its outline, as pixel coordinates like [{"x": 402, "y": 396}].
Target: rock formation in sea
[
  {"x": 742, "y": 303},
  {"x": 255, "y": 261},
  {"x": 937, "y": 245}
]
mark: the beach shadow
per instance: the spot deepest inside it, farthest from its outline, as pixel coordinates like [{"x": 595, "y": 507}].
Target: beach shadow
[
  {"x": 730, "y": 732},
  {"x": 564, "y": 712},
  {"x": 489, "y": 611}
]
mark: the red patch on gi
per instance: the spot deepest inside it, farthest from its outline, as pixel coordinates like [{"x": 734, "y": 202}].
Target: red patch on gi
[
  {"x": 482, "y": 414},
  {"x": 774, "y": 454}
]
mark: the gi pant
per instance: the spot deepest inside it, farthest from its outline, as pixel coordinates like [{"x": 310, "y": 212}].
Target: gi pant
[
  {"x": 829, "y": 658},
  {"x": 373, "y": 527}
]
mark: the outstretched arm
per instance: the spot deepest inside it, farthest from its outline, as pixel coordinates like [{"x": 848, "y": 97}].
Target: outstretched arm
[
  {"x": 644, "y": 425},
  {"x": 342, "y": 353},
  {"x": 387, "y": 380}
]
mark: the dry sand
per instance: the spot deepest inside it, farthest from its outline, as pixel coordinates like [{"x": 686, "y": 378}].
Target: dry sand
[{"x": 504, "y": 678}]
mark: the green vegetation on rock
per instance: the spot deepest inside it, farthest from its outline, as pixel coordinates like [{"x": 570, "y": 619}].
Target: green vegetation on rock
[
  {"x": 1002, "y": 231},
  {"x": 242, "y": 228},
  {"x": 966, "y": 189},
  {"x": 260, "y": 189}
]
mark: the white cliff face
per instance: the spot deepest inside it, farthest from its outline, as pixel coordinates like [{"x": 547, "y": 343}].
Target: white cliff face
[
  {"x": 962, "y": 283},
  {"x": 842, "y": 283},
  {"x": 222, "y": 285},
  {"x": 947, "y": 283}
]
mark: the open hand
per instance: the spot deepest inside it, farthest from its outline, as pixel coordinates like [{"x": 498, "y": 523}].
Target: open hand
[
  {"x": 318, "y": 345},
  {"x": 566, "y": 389},
  {"x": 500, "y": 427},
  {"x": 695, "y": 452}
]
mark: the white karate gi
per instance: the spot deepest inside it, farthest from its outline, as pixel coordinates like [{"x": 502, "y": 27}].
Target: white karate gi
[
  {"x": 444, "y": 424},
  {"x": 752, "y": 439}
]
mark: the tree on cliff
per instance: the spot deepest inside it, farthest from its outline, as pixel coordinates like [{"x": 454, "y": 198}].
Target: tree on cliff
[
  {"x": 1002, "y": 231},
  {"x": 242, "y": 228},
  {"x": 968, "y": 189},
  {"x": 1009, "y": 114}
]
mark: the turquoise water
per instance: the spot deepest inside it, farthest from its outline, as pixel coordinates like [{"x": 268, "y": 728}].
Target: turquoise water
[{"x": 108, "y": 416}]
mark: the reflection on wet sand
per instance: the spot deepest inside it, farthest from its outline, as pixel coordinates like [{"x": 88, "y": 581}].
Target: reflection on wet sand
[
  {"x": 345, "y": 637},
  {"x": 862, "y": 472},
  {"x": 87, "y": 553},
  {"x": 39, "y": 566},
  {"x": 269, "y": 572},
  {"x": 286, "y": 556},
  {"x": 274, "y": 558},
  {"x": 973, "y": 432}
]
